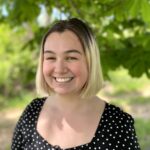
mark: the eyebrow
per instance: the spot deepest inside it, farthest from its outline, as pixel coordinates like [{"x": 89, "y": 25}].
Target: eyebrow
[{"x": 66, "y": 52}]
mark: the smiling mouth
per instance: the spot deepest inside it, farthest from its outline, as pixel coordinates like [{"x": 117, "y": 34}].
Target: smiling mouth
[{"x": 63, "y": 79}]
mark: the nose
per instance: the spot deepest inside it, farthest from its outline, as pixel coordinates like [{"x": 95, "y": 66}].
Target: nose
[{"x": 60, "y": 67}]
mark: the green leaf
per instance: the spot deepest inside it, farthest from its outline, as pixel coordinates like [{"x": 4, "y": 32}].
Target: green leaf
[
  {"x": 145, "y": 10},
  {"x": 135, "y": 6}
]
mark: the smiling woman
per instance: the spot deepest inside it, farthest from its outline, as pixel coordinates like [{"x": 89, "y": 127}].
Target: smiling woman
[
  {"x": 64, "y": 66},
  {"x": 71, "y": 116},
  {"x": 75, "y": 41}
]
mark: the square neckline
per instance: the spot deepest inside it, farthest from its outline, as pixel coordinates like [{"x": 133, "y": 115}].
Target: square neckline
[{"x": 57, "y": 147}]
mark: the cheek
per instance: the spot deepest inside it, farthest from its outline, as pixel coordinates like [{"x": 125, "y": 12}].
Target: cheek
[
  {"x": 46, "y": 69},
  {"x": 81, "y": 70}
]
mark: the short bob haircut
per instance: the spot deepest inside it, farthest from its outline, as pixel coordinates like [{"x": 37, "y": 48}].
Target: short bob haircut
[{"x": 86, "y": 37}]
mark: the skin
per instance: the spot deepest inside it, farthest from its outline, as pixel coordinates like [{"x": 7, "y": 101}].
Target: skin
[
  {"x": 63, "y": 119},
  {"x": 64, "y": 66}
]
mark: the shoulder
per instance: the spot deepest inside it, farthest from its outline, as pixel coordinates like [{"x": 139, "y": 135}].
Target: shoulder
[
  {"x": 26, "y": 121},
  {"x": 35, "y": 105},
  {"x": 30, "y": 113},
  {"x": 32, "y": 109},
  {"x": 122, "y": 126},
  {"x": 118, "y": 115}
]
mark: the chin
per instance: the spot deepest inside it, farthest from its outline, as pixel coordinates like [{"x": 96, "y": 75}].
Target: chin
[{"x": 64, "y": 92}]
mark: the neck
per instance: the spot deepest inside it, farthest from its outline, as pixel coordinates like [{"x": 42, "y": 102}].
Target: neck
[{"x": 68, "y": 103}]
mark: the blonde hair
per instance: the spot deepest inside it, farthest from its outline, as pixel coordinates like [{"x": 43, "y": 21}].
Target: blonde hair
[{"x": 86, "y": 37}]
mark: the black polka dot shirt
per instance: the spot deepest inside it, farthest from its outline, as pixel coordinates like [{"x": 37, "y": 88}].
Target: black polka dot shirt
[{"x": 115, "y": 131}]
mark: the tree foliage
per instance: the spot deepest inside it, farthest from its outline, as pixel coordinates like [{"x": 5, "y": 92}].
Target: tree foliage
[{"x": 122, "y": 29}]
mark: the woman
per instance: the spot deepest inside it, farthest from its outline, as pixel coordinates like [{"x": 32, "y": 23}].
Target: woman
[{"x": 71, "y": 116}]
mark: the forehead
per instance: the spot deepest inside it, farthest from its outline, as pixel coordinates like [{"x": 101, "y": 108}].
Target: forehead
[{"x": 62, "y": 41}]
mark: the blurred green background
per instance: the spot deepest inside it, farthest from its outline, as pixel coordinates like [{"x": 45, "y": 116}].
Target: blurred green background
[{"x": 122, "y": 31}]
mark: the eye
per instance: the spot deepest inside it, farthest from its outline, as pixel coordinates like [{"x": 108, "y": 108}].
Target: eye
[
  {"x": 71, "y": 58},
  {"x": 50, "y": 58}
]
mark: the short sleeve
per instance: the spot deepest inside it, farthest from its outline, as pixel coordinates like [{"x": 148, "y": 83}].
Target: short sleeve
[
  {"x": 17, "y": 140},
  {"x": 23, "y": 127},
  {"x": 129, "y": 138}
]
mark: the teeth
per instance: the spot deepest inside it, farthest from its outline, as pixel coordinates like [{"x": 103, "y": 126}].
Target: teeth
[{"x": 62, "y": 80}]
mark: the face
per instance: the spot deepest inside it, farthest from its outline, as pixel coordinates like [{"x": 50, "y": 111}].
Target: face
[{"x": 64, "y": 64}]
